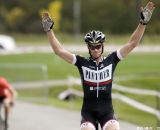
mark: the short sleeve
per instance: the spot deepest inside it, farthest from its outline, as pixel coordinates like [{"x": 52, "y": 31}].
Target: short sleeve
[
  {"x": 119, "y": 55},
  {"x": 78, "y": 60},
  {"x": 74, "y": 59},
  {"x": 114, "y": 57}
]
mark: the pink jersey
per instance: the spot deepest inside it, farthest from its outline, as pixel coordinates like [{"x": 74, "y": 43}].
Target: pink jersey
[{"x": 4, "y": 87}]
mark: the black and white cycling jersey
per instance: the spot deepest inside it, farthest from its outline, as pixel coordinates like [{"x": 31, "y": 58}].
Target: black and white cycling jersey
[{"x": 97, "y": 79}]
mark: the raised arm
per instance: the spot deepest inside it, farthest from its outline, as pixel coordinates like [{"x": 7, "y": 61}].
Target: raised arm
[
  {"x": 13, "y": 92},
  {"x": 137, "y": 35},
  {"x": 56, "y": 45}
]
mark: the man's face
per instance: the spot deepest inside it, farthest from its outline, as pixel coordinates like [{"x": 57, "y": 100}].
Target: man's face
[{"x": 95, "y": 51}]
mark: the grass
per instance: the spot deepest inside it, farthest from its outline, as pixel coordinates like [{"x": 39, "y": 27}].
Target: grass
[
  {"x": 122, "y": 39},
  {"x": 137, "y": 64},
  {"x": 73, "y": 104},
  {"x": 52, "y": 62},
  {"x": 144, "y": 82},
  {"x": 22, "y": 39},
  {"x": 133, "y": 115},
  {"x": 37, "y": 39},
  {"x": 143, "y": 67},
  {"x": 144, "y": 64},
  {"x": 151, "y": 101}
]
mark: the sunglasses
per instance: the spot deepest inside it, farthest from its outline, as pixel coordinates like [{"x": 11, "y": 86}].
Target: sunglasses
[{"x": 95, "y": 47}]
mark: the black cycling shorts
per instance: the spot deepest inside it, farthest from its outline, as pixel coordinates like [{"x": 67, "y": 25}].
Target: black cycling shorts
[{"x": 96, "y": 117}]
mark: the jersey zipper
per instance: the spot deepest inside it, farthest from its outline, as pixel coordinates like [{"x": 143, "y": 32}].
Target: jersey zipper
[{"x": 97, "y": 83}]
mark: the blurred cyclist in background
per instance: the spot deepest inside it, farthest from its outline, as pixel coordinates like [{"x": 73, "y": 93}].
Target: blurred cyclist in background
[
  {"x": 7, "y": 98},
  {"x": 97, "y": 70}
]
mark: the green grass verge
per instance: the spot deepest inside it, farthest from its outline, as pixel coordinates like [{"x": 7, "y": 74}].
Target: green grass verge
[
  {"x": 137, "y": 64},
  {"x": 130, "y": 114},
  {"x": 52, "y": 94},
  {"x": 37, "y": 39}
]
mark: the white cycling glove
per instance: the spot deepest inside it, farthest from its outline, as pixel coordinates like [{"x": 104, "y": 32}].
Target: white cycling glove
[
  {"x": 146, "y": 14},
  {"x": 47, "y": 22}
]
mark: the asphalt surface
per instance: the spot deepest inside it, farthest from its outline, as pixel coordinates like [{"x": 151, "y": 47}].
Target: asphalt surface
[{"x": 27, "y": 116}]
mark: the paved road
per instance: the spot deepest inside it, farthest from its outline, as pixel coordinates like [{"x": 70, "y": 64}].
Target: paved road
[{"x": 26, "y": 116}]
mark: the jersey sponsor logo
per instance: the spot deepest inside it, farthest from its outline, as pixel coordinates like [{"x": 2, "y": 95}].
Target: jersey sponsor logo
[
  {"x": 100, "y": 75},
  {"x": 103, "y": 88},
  {"x": 102, "y": 65}
]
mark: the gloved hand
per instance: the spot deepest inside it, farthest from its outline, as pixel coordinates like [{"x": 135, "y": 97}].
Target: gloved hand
[
  {"x": 47, "y": 22},
  {"x": 146, "y": 13}
]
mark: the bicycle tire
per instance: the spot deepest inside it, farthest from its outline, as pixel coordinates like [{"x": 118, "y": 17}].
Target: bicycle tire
[{"x": 2, "y": 126}]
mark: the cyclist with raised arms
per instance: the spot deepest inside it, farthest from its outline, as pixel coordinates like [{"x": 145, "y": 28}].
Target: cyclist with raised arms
[{"x": 97, "y": 70}]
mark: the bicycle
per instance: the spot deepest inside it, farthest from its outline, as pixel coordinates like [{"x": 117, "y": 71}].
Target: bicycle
[{"x": 2, "y": 122}]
